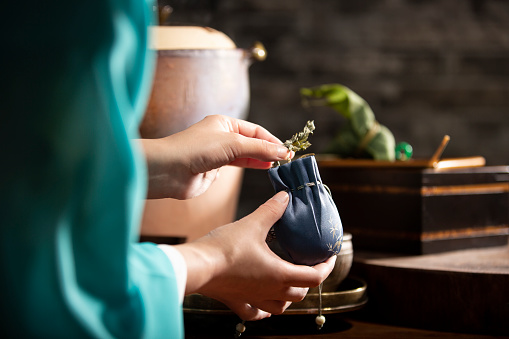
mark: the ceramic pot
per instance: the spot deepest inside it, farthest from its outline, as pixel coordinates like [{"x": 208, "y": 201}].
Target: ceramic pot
[
  {"x": 341, "y": 268},
  {"x": 199, "y": 72}
]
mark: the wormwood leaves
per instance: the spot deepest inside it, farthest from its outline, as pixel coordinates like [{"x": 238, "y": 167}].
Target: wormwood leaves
[{"x": 299, "y": 141}]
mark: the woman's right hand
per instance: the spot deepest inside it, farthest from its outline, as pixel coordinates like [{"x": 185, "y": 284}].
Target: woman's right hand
[
  {"x": 185, "y": 164},
  {"x": 234, "y": 265}
]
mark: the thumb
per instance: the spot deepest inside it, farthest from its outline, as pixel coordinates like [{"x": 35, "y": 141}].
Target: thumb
[{"x": 271, "y": 211}]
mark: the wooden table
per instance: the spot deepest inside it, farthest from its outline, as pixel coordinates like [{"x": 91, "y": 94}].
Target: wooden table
[
  {"x": 461, "y": 294},
  {"x": 302, "y": 327},
  {"x": 465, "y": 290}
]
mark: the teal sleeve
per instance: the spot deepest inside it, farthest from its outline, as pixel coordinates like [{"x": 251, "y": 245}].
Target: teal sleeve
[{"x": 76, "y": 77}]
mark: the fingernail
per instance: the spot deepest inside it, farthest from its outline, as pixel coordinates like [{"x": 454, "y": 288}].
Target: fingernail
[
  {"x": 281, "y": 197},
  {"x": 282, "y": 152}
]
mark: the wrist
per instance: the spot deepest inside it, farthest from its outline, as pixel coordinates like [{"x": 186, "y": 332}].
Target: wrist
[
  {"x": 179, "y": 267},
  {"x": 165, "y": 169},
  {"x": 204, "y": 262}
]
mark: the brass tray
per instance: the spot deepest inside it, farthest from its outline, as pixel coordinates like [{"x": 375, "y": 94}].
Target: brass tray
[{"x": 351, "y": 295}]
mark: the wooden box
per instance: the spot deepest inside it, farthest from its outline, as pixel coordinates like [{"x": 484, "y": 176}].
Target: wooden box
[{"x": 420, "y": 210}]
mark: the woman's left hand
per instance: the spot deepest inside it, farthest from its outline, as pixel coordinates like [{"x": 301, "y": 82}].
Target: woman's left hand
[
  {"x": 185, "y": 164},
  {"x": 234, "y": 264}
]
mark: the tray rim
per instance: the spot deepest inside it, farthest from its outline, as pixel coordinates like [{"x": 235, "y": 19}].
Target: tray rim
[{"x": 358, "y": 303}]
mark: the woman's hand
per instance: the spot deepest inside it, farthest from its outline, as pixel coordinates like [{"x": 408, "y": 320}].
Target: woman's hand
[
  {"x": 234, "y": 265},
  {"x": 185, "y": 164}
]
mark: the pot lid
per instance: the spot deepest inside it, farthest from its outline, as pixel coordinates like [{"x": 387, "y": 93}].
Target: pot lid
[{"x": 189, "y": 37}]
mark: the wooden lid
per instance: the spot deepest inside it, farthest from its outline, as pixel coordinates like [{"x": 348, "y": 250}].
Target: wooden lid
[{"x": 189, "y": 37}]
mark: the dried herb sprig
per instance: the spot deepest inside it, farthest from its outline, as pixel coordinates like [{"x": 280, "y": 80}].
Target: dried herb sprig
[{"x": 299, "y": 141}]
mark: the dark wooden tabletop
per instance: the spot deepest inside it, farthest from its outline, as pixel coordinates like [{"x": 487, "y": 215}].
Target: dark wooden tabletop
[
  {"x": 303, "y": 327},
  {"x": 462, "y": 294}
]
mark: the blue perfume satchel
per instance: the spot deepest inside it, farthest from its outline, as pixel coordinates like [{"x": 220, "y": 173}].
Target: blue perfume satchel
[{"x": 310, "y": 230}]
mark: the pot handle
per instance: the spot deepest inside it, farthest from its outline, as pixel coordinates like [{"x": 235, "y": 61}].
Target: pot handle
[{"x": 257, "y": 52}]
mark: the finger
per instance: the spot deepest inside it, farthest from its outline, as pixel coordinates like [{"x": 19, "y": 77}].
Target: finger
[
  {"x": 271, "y": 211},
  {"x": 201, "y": 184},
  {"x": 244, "y": 147},
  {"x": 251, "y": 163},
  {"x": 294, "y": 294},
  {"x": 247, "y": 312},
  {"x": 273, "y": 306},
  {"x": 308, "y": 276},
  {"x": 255, "y": 163}
]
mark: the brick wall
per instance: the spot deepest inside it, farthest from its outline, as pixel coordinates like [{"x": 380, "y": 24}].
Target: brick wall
[{"x": 427, "y": 68}]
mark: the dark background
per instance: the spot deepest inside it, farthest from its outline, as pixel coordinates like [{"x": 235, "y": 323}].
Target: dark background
[{"x": 426, "y": 67}]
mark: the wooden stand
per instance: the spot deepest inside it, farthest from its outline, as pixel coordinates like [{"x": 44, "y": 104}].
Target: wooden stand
[
  {"x": 419, "y": 210},
  {"x": 461, "y": 291}
]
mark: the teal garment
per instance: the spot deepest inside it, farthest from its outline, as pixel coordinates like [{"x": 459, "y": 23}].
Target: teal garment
[{"x": 76, "y": 77}]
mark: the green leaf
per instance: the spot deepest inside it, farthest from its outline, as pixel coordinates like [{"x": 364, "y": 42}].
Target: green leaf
[{"x": 362, "y": 136}]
